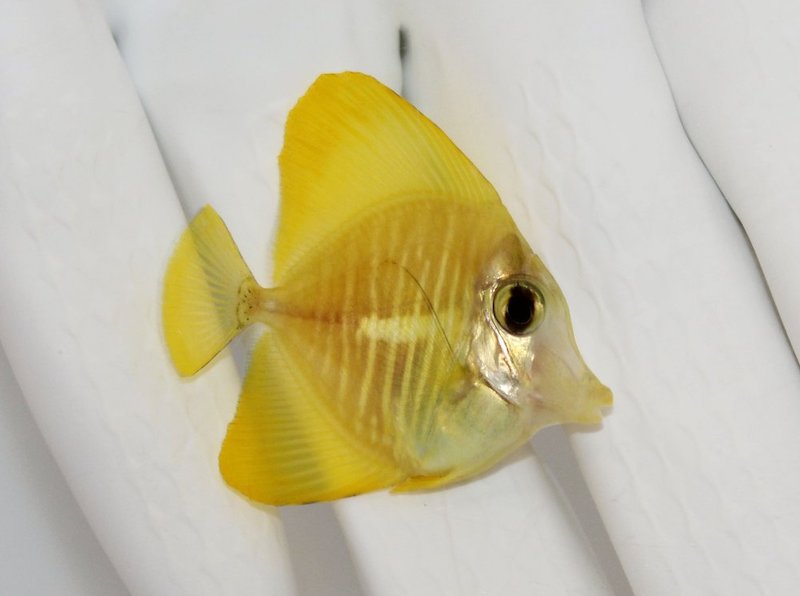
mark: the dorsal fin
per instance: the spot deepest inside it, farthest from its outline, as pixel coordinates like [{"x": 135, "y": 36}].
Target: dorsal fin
[{"x": 352, "y": 145}]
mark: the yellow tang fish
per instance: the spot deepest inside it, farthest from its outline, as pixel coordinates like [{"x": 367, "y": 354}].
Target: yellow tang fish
[{"x": 412, "y": 337}]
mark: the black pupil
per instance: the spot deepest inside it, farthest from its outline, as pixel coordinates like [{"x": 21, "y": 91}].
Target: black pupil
[{"x": 520, "y": 309}]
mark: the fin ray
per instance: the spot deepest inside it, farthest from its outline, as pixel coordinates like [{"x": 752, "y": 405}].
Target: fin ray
[
  {"x": 352, "y": 145},
  {"x": 284, "y": 447},
  {"x": 201, "y": 308}
]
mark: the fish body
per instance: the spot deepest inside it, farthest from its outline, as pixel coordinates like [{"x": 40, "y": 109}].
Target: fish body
[{"x": 412, "y": 337}]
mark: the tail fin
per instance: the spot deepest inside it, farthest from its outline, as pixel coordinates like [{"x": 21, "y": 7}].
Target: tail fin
[{"x": 207, "y": 290}]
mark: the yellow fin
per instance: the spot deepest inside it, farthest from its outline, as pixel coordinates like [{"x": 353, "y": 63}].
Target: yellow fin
[
  {"x": 285, "y": 448},
  {"x": 419, "y": 483},
  {"x": 203, "y": 289},
  {"x": 351, "y": 145}
]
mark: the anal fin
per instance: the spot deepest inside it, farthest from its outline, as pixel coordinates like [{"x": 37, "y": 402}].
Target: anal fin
[{"x": 284, "y": 446}]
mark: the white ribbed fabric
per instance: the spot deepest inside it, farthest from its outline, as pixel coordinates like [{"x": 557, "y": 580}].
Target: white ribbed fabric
[{"x": 566, "y": 109}]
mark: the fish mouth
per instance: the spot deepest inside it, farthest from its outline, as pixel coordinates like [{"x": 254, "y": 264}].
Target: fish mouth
[
  {"x": 597, "y": 398},
  {"x": 570, "y": 391},
  {"x": 578, "y": 406}
]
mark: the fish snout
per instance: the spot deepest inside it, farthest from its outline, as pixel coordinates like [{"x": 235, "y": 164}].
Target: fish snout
[
  {"x": 597, "y": 397},
  {"x": 567, "y": 387}
]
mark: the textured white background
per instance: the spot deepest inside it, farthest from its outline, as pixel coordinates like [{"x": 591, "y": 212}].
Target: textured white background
[{"x": 113, "y": 116}]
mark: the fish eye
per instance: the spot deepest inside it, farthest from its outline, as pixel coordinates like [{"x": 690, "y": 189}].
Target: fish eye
[{"x": 518, "y": 306}]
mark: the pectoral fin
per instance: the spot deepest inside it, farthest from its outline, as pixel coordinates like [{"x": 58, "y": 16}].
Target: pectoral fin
[{"x": 418, "y": 483}]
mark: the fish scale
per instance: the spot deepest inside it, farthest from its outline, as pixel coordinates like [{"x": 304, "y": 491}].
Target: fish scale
[{"x": 379, "y": 382}]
